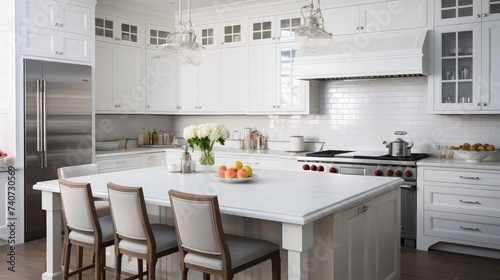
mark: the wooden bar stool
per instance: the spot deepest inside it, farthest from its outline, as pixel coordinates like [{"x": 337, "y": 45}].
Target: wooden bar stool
[
  {"x": 204, "y": 247},
  {"x": 134, "y": 235},
  {"x": 83, "y": 228}
]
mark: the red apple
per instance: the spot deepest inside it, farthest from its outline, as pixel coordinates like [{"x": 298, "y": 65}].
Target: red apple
[
  {"x": 242, "y": 173},
  {"x": 221, "y": 171},
  {"x": 230, "y": 173}
]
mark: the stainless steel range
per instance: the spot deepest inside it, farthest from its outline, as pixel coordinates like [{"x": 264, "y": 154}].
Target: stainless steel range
[{"x": 374, "y": 164}]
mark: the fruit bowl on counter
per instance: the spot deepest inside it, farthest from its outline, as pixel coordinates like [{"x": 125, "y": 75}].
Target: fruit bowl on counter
[
  {"x": 472, "y": 156},
  {"x": 473, "y": 153}
]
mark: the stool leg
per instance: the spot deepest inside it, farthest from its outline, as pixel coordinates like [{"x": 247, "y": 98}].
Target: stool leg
[
  {"x": 79, "y": 260},
  {"x": 67, "y": 254},
  {"x": 139, "y": 268},
  {"x": 118, "y": 266}
]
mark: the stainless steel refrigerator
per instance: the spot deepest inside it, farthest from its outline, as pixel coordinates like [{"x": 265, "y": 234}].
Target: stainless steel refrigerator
[{"x": 58, "y": 128}]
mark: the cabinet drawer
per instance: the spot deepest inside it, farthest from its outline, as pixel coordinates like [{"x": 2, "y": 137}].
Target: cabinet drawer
[
  {"x": 462, "y": 200},
  {"x": 462, "y": 176},
  {"x": 119, "y": 163},
  {"x": 462, "y": 227}
]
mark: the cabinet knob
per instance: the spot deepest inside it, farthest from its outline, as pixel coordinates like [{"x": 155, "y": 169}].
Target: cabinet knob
[
  {"x": 56, "y": 52},
  {"x": 478, "y": 15},
  {"x": 362, "y": 209},
  {"x": 178, "y": 107},
  {"x": 485, "y": 15},
  {"x": 478, "y": 104},
  {"x": 117, "y": 106},
  {"x": 222, "y": 43},
  {"x": 61, "y": 53},
  {"x": 147, "y": 106},
  {"x": 485, "y": 104},
  {"x": 117, "y": 38},
  {"x": 56, "y": 24},
  {"x": 361, "y": 27},
  {"x": 61, "y": 25}
]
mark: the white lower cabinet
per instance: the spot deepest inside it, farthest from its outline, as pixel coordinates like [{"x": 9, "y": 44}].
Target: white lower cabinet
[
  {"x": 128, "y": 162},
  {"x": 458, "y": 206},
  {"x": 367, "y": 239},
  {"x": 153, "y": 159}
]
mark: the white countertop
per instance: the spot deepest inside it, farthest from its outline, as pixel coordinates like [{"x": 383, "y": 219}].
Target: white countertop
[
  {"x": 459, "y": 163},
  {"x": 282, "y": 196},
  {"x": 217, "y": 151}
]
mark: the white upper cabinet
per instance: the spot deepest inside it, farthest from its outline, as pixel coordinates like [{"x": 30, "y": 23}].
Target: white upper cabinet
[
  {"x": 490, "y": 93},
  {"x": 57, "y": 16},
  {"x": 384, "y": 16},
  {"x": 161, "y": 83},
  {"x": 466, "y": 11},
  {"x": 56, "y": 30},
  {"x": 157, "y": 35},
  {"x": 234, "y": 80},
  {"x": 273, "y": 29},
  {"x": 208, "y": 36},
  {"x": 199, "y": 86},
  {"x": 262, "y": 79},
  {"x": 119, "y": 79},
  {"x": 119, "y": 31},
  {"x": 233, "y": 34}
]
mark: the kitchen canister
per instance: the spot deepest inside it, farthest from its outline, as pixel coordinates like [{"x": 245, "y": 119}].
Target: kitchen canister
[{"x": 296, "y": 143}]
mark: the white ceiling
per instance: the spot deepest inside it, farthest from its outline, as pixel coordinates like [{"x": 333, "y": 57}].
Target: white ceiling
[{"x": 172, "y": 5}]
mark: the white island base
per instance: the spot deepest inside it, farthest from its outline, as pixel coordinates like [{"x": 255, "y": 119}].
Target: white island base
[{"x": 329, "y": 227}]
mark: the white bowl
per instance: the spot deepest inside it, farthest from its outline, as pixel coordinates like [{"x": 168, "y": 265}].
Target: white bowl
[
  {"x": 107, "y": 145},
  {"x": 174, "y": 167},
  {"x": 473, "y": 156}
]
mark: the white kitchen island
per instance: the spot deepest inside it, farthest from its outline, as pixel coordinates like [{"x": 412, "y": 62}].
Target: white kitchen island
[{"x": 294, "y": 201}]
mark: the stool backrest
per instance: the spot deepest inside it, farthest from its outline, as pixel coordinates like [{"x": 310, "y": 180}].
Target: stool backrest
[
  {"x": 128, "y": 210},
  {"x": 199, "y": 226},
  {"x": 78, "y": 170},
  {"x": 77, "y": 204}
]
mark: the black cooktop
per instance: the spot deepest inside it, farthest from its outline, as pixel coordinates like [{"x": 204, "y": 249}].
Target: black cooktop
[
  {"x": 327, "y": 153},
  {"x": 333, "y": 153},
  {"x": 412, "y": 157}
]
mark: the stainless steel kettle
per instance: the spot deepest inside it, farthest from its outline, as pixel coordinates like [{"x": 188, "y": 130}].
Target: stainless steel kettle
[{"x": 399, "y": 147}]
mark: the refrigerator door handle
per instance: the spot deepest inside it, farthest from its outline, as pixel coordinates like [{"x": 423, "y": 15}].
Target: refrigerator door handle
[{"x": 41, "y": 132}]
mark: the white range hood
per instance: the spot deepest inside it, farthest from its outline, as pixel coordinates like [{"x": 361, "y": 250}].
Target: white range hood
[{"x": 368, "y": 55}]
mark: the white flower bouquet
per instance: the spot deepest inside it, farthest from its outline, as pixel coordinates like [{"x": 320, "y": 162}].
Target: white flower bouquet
[{"x": 205, "y": 136}]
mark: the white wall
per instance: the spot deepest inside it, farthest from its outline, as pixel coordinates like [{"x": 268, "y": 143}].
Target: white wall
[
  {"x": 355, "y": 114},
  {"x": 110, "y": 127}
]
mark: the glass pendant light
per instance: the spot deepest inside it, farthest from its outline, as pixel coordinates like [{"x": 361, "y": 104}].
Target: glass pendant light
[
  {"x": 184, "y": 49},
  {"x": 312, "y": 34}
]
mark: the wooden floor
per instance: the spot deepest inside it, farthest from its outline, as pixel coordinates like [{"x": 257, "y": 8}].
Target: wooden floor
[{"x": 415, "y": 265}]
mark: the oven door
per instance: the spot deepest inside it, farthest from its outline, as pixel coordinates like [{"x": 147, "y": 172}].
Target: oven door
[{"x": 409, "y": 210}]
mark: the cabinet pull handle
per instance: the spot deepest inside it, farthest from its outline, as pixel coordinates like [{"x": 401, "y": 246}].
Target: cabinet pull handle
[
  {"x": 470, "y": 202},
  {"x": 253, "y": 163},
  {"x": 469, "y": 178},
  {"x": 470, "y": 228},
  {"x": 117, "y": 39},
  {"x": 120, "y": 162},
  {"x": 362, "y": 209}
]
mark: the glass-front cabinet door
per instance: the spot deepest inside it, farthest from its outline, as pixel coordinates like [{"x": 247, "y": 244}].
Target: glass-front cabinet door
[
  {"x": 207, "y": 36},
  {"x": 291, "y": 92},
  {"x": 466, "y": 11},
  {"x": 233, "y": 34},
  {"x": 458, "y": 67},
  {"x": 491, "y": 10},
  {"x": 286, "y": 25}
]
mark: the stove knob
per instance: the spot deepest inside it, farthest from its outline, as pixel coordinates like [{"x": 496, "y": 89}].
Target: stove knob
[
  {"x": 305, "y": 167},
  {"x": 314, "y": 167},
  {"x": 398, "y": 173},
  {"x": 389, "y": 172},
  {"x": 321, "y": 168},
  {"x": 408, "y": 173},
  {"x": 378, "y": 172},
  {"x": 332, "y": 170}
]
